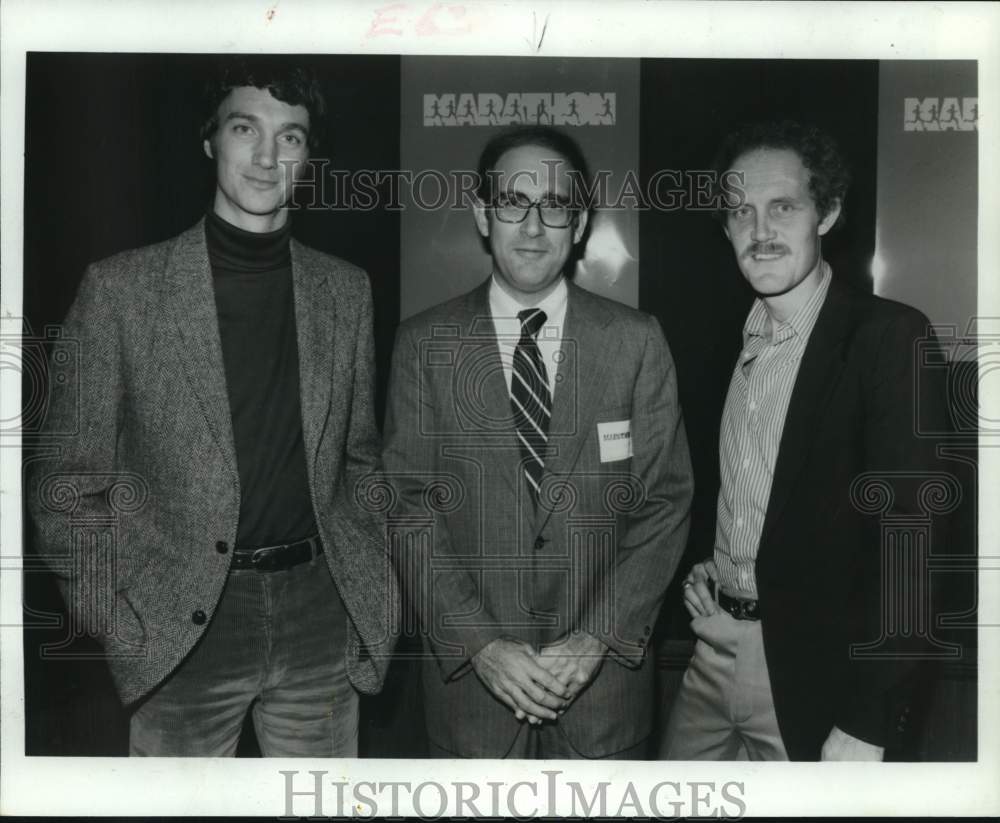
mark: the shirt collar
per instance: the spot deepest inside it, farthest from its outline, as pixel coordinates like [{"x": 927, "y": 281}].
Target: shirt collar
[
  {"x": 502, "y": 305},
  {"x": 800, "y": 324}
]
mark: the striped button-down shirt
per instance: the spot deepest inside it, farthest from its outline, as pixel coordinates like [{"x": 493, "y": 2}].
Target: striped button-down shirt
[{"x": 752, "y": 422}]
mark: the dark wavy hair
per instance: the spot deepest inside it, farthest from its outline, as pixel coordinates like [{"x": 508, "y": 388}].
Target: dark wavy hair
[
  {"x": 286, "y": 80},
  {"x": 829, "y": 173},
  {"x": 546, "y": 137}
]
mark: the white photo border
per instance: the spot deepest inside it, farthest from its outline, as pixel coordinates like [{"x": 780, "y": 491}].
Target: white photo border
[{"x": 885, "y": 31}]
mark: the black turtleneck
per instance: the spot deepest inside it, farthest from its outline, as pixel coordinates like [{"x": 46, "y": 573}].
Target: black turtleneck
[{"x": 252, "y": 275}]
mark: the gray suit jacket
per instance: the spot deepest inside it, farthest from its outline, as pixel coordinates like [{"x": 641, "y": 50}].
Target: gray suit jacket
[
  {"x": 477, "y": 558},
  {"x": 145, "y": 484}
]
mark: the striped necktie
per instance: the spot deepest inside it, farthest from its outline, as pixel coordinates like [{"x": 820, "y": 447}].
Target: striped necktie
[{"x": 530, "y": 399}]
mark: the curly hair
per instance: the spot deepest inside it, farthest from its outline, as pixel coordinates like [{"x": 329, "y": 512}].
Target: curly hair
[
  {"x": 829, "y": 173},
  {"x": 286, "y": 80}
]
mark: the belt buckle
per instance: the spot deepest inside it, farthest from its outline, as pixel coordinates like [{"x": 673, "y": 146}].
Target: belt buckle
[{"x": 265, "y": 560}]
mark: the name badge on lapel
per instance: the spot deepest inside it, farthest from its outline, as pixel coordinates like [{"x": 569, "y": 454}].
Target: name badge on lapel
[{"x": 615, "y": 440}]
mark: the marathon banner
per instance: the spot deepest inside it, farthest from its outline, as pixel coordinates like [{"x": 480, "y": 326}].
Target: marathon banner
[
  {"x": 928, "y": 187},
  {"x": 491, "y": 109},
  {"x": 450, "y": 108}
]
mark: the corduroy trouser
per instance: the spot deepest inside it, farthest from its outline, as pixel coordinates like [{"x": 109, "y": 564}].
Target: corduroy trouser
[{"x": 276, "y": 642}]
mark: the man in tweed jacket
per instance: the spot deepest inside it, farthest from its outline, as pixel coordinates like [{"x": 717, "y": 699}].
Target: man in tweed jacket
[{"x": 225, "y": 417}]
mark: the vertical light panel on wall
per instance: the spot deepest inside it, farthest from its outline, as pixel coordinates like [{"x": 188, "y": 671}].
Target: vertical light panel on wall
[
  {"x": 927, "y": 188},
  {"x": 452, "y": 105}
]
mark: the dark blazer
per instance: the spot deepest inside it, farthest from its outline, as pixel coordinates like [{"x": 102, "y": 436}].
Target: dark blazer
[
  {"x": 151, "y": 468},
  {"x": 819, "y": 567},
  {"x": 479, "y": 562}
]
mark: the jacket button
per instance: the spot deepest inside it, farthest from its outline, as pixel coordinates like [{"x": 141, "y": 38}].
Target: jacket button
[
  {"x": 222, "y": 547},
  {"x": 539, "y": 542},
  {"x": 646, "y": 629},
  {"x": 198, "y": 618}
]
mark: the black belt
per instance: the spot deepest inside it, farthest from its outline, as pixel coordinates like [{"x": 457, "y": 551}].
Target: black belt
[
  {"x": 739, "y": 608},
  {"x": 278, "y": 558}
]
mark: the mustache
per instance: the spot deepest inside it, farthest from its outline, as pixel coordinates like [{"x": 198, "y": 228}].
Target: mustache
[{"x": 765, "y": 248}]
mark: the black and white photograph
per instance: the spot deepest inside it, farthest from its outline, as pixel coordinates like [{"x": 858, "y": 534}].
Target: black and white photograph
[{"x": 409, "y": 407}]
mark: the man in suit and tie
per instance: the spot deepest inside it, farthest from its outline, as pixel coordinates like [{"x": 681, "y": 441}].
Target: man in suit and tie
[
  {"x": 536, "y": 449},
  {"x": 823, "y": 392},
  {"x": 225, "y": 416}
]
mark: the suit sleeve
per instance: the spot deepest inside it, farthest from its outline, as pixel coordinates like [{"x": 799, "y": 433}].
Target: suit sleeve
[
  {"x": 410, "y": 463},
  {"x": 893, "y": 446},
  {"x": 655, "y": 532},
  {"x": 73, "y": 476}
]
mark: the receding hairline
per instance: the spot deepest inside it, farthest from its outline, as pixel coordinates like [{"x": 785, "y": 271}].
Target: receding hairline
[
  {"x": 551, "y": 180},
  {"x": 552, "y": 146}
]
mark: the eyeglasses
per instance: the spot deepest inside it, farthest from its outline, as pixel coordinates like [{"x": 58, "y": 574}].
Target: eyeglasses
[{"x": 514, "y": 208}]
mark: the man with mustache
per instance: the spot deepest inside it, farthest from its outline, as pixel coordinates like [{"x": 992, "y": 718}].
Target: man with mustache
[
  {"x": 226, "y": 382},
  {"x": 822, "y": 392},
  {"x": 550, "y": 415}
]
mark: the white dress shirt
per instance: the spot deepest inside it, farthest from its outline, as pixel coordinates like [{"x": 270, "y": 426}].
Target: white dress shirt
[{"x": 504, "y": 309}]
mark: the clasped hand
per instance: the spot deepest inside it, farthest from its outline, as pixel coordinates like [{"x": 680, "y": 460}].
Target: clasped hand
[{"x": 535, "y": 684}]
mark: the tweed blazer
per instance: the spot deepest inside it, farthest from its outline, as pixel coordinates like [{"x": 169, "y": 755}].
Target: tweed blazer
[
  {"x": 136, "y": 510},
  {"x": 480, "y": 561}
]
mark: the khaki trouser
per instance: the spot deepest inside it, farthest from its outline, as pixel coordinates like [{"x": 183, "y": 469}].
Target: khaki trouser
[{"x": 724, "y": 710}]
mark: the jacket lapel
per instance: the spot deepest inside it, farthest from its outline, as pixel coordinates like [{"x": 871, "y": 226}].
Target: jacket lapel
[
  {"x": 191, "y": 299},
  {"x": 482, "y": 363},
  {"x": 324, "y": 356},
  {"x": 590, "y": 351},
  {"x": 817, "y": 379}
]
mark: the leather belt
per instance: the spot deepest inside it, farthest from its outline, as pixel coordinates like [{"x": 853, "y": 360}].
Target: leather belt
[
  {"x": 278, "y": 558},
  {"x": 739, "y": 608}
]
